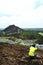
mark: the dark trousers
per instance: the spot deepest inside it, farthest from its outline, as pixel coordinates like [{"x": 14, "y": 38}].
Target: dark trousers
[{"x": 33, "y": 57}]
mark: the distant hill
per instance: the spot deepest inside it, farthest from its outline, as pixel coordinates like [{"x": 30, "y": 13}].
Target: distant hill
[
  {"x": 33, "y": 29},
  {"x": 1, "y": 29},
  {"x": 12, "y": 30}
]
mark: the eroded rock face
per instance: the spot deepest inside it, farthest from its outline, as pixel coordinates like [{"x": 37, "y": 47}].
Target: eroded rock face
[
  {"x": 12, "y": 30},
  {"x": 14, "y": 54}
]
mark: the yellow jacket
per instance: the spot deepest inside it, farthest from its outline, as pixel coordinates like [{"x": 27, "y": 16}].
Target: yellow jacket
[{"x": 32, "y": 51}]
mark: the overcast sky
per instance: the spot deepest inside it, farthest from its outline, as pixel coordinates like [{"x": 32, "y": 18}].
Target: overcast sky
[{"x": 22, "y": 13}]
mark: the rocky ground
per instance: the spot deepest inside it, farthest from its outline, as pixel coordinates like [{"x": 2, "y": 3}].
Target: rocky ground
[{"x": 14, "y": 55}]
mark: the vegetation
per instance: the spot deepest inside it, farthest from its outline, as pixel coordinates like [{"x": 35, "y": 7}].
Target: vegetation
[
  {"x": 31, "y": 35},
  {"x": 12, "y": 32},
  {"x": 40, "y": 40},
  {"x": 26, "y": 35}
]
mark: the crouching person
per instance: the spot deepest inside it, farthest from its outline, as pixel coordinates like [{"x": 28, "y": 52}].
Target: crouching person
[{"x": 32, "y": 52}]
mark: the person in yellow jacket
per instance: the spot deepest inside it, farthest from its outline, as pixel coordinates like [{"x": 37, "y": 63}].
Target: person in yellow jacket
[{"x": 32, "y": 52}]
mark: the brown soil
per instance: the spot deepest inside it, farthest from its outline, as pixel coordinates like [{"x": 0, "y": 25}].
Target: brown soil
[{"x": 14, "y": 55}]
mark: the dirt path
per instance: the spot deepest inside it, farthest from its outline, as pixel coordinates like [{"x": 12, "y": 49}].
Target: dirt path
[{"x": 13, "y": 54}]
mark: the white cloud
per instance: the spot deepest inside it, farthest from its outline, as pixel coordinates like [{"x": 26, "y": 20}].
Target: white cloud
[
  {"x": 22, "y": 13},
  {"x": 15, "y": 6}
]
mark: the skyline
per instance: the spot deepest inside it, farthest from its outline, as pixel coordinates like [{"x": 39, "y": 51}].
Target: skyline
[{"x": 24, "y": 14}]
